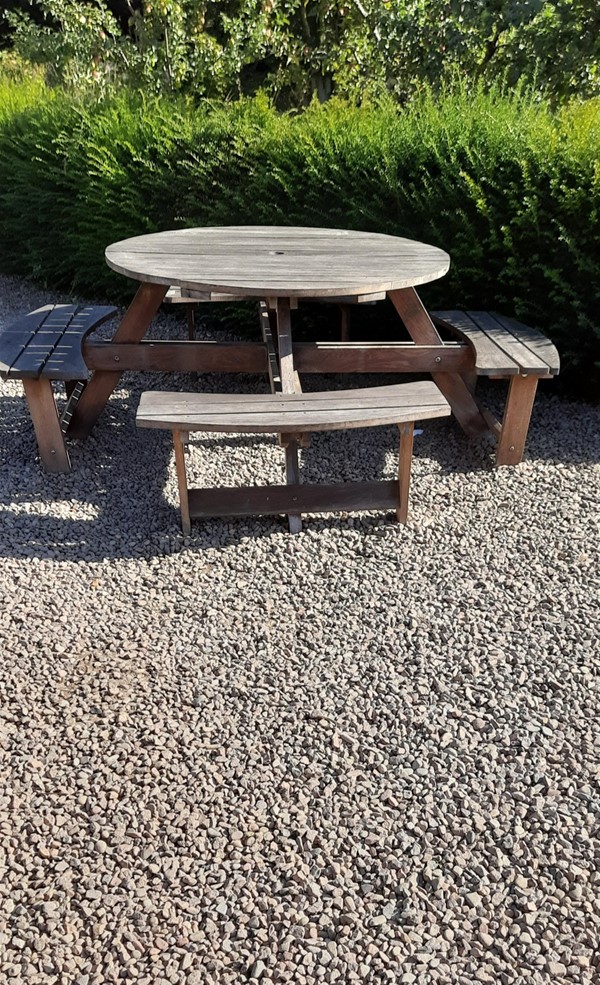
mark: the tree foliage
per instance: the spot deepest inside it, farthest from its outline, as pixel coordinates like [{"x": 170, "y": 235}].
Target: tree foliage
[{"x": 299, "y": 49}]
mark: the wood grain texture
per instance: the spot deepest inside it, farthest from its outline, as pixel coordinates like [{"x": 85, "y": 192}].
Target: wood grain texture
[
  {"x": 527, "y": 360},
  {"x": 407, "y": 431},
  {"x": 502, "y": 346},
  {"x": 132, "y": 328},
  {"x": 515, "y": 422},
  {"x": 46, "y": 424},
  {"x": 178, "y": 357},
  {"x": 537, "y": 342},
  {"x": 413, "y": 313},
  {"x": 276, "y": 261},
  {"x": 47, "y": 342},
  {"x": 422, "y": 331},
  {"x": 296, "y": 412},
  {"x": 381, "y": 357},
  {"x": 182, "y": 481},
  {"x": 490, "y": 359},
  {"x": 266, "y": 500}
]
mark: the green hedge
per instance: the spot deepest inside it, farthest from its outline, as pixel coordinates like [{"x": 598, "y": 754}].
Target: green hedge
[{"x": 509, "y": 189}]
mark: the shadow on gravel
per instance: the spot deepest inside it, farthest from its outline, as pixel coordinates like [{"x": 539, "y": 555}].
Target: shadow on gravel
[{"x": 114, "y": 503}]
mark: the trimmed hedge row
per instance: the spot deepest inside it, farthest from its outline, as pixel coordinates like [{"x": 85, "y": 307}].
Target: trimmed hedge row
[{"x": 509, "y": 189}]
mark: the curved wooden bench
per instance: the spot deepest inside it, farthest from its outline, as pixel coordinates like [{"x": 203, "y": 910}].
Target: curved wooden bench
[
  {"x": 293, "y": 414},
  {"x": 43, "y": 346},
  {"x": 505, "y": 349}
]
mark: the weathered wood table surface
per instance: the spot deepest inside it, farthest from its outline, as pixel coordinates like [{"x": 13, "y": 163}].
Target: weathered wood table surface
[{"x": 278, "y": 265}]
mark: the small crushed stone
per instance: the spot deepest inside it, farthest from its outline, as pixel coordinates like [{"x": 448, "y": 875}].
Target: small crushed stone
[{"x": 367, "y": 753}]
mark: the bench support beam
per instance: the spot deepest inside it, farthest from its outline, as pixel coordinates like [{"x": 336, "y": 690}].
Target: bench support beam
[
  {"x": 46, "y": 424},
  {"x": 133, "y": 327},
  {"x": 314, "y": 498}
]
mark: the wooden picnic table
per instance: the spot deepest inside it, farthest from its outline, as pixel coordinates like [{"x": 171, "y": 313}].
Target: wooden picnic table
[{"x": 278, "y": 265}]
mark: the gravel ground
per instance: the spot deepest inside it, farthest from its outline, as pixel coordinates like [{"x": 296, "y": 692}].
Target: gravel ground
[{"x": 368, "y": 753}]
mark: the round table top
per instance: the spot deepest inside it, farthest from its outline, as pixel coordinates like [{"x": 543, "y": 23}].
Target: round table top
[{"x": 278, "y": 261}]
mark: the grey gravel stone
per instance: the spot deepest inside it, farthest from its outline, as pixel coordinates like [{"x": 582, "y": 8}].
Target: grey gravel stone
[{"x": 366, "y": 753}]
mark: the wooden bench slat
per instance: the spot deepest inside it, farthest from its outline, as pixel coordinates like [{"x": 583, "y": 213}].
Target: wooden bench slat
[
  {"x": 541, "y": 346},
  {"x": 29, "y": 363},
  {"x": 292, "y": 412},
  {"x": 11, "y": 347},
  {"x": 490, "y": 358},
  {"x": 47, "y": 343},
  {"x": 526, "y": 359}
]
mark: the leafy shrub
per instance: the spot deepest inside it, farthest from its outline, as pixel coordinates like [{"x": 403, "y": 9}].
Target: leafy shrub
[
  {"x": 293, "y": 49},
  {"x": 508, "y": 187}
]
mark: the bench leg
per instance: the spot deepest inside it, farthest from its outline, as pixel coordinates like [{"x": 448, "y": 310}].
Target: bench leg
[
  {"x": 404, "y": 464},
  {"x": 46, "y": 424},
  {"x": 186, "y": 524},
  {"x": 515, "y": 423}
]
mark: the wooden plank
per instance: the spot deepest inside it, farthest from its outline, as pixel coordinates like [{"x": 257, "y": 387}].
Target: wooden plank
[
  {"x": 180, "y": 357},
  {"x": 46, "y": 424},
  {"x": 12, "y": 345},
  {"x": 490, "y": 358},
  {"x": 132, "y": 328},
  {"x": 382, "y": 357},
  {"x": 16, "y": 336},
  {"x": 515, "y": 423},
  {"x": 527, "y": 360},
  {"x": 404, "y": 465},
  {"x": 288, "y": 413},
  {"x": 65, "y": 362},
  {"x": 182, "y": 482},
  {"x": 182, "y": 295},
  {"x": 278, "y": 261},
  {"x": 415, "y": 317},
  {"x": 266, "y": 500},
  {"x": 29, "y": 364},
  {"x": 53, "y": 349},
  {"x": 88, "y": 318},
  {"x": 538, "y": 343},
  {"x": 15, "y": 339}
]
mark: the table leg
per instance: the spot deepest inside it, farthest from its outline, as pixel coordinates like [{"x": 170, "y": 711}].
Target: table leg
[
  {"x": 289, "y": 384},
  {"x": 133, "y": 327},
  {"x": 422, "y": 331}
]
